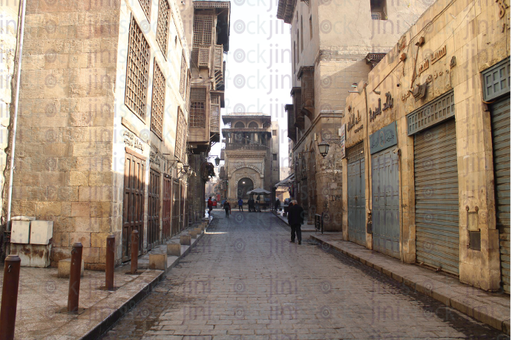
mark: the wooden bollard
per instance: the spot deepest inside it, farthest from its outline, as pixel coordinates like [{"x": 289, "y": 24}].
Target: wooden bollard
[
  {"x": 74, "y": 278},
  {"x": 9, "y": 297},
  {"x": 135, "y": 252},
  {"x": 110, "y": 262}
]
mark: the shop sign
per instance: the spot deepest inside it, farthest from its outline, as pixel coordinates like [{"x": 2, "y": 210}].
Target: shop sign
[{"x": 383, "y": 139}]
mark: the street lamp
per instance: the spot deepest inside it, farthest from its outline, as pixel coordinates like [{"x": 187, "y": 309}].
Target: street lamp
[
  {"x": 217, "y": 161},
  {"x": 323, "y": 147}
]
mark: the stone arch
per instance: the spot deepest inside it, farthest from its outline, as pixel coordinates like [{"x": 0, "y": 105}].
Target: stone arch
[
  {"x": 253, "y": 125},
  {"x": 244, "y": 185},
  {"x": 239, "y": 125}
]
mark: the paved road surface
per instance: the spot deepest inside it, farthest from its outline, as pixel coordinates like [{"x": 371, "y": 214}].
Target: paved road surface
[{"x": 245, "y": 280}]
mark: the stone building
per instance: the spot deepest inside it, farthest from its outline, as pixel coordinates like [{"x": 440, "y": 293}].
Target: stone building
[
  {"x": 428, "y": 146},
  {"x": 207, "y": 26},
  {"x": 99, "y": 144},
  {"x": 251, "y": 154},
  {"x": 334, "y": 44}
]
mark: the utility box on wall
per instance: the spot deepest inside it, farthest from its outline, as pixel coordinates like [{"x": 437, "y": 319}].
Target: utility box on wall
[
  {"x": 31, "y": 241},
  {"x": 20, "y": 229}
]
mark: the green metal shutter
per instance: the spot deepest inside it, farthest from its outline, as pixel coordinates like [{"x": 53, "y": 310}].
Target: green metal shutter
[
  {"x": 437, "y": 197},
  {"x": 356, "y": 195},
  {"x": 501, "y": 150},
  {"x": 385, "y": 203}
]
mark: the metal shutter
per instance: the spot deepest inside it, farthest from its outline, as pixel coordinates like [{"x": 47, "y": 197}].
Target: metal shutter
[
  {"x": 501, "y": 150},
  {"x": 437, "y": 199},
  {"x": 356, "y": 195}
]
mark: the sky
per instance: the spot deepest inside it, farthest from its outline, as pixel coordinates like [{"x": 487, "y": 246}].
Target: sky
[{"x": 258, "y": 65}]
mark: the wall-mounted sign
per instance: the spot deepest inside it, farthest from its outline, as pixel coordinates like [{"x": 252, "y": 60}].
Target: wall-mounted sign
[
  {"x": 437, "y": 55},
  {"x": 353, "y": 120},
  {"x": 383, "y": 139}
]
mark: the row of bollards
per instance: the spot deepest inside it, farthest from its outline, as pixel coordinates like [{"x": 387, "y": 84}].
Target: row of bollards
[{"x": 12, "y": 278}]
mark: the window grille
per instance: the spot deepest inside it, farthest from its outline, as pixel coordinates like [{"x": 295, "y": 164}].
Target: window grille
[
  {"x": 274, "y": 133},
  {"x": 198, "y": 107},
  {"x": 158, "y": 101},
  {"x": 203, "y": 30},
  {"x": 181, "y": 134},
  {"x": 162, "y": 28},
  {"x": 497, "y": 80},
  {"x": 431, "y": 114},
  {"x": 137, "y": 70},
  {"x": 146, "y": 7}
]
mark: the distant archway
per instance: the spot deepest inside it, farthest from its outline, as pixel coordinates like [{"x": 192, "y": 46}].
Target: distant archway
[
  {"x": 244, "y": 185},
  {"x": 253, "y": 125},
  {"x": 239, "y": 125}
]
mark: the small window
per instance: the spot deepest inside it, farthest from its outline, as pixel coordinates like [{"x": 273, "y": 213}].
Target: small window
[
  {"x": 274, "y": 156},
  {"x": 378, "y": 9},
  {"x": 310, "y": 27},
  {"x": 301, "y": 34},
  {"x": 298, "y": 55},
  {"x": 274, "y": 133}
]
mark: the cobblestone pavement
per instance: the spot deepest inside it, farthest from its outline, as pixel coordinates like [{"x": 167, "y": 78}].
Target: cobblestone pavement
[{"x": 245, "y": 280}]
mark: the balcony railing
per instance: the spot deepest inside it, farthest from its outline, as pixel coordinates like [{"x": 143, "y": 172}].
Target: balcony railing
[{"x": 240, "y": 146}]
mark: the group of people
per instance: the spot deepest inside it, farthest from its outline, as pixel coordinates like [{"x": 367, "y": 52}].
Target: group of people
[{"x": 295, "y": 214}]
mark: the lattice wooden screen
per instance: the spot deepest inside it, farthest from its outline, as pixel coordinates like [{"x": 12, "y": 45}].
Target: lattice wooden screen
[
  {"x": 158, "y": 101},
  {"x": 162, "y": 28},
  {"x": 182, "y": 76},
  {"x": 137, "y": 71},
  {"x": 181, "y": 134},
  {"x": 146, "y": 7},
  {"x": 198, "y": 107},
  {"x": 203, "y": 30}
]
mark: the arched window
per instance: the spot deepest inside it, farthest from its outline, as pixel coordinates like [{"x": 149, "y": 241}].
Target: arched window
[
  {"x": 239, "y": 125},
  {"x": 253, "y": 125},
  {"x": 244, "y": 185}
]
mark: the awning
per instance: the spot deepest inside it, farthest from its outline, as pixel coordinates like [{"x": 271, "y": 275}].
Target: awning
[{"x": 287, "y": 182}]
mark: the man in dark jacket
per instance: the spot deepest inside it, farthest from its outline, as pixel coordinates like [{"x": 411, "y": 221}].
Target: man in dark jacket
[{"x": 295, "y": 220}]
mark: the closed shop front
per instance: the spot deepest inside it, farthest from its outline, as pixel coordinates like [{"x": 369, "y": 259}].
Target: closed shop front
[
  {"x": 133, "y": 201},
  {"x": 356, "y": 195},
  {"x": 436, "y": 184},
  {"x": 385, "y": 191},
  {"x": 154, "y": 209},
  {"x": 497, "y": 89}
]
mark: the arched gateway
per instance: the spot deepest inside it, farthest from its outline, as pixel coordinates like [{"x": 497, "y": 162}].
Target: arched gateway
[{"x": 244, "y": 185}]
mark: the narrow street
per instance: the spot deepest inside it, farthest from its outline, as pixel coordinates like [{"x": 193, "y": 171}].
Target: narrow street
[{"x": 245, "y": 280}]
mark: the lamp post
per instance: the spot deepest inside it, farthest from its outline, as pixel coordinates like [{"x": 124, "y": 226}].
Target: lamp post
[{"x": 323, "y": 148}]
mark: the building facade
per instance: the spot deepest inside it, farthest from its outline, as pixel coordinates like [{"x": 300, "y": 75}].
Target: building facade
[
  {"x": 207, "y": 27},
  {"x": 100, "y": 140},
  {"x": 251, "y": 154},
  {"x": 333, "y": 46},
  {"x": 427, "y": 138}
]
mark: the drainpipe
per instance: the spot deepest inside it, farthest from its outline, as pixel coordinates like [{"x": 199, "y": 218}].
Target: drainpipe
[
  {"x": 16, "y": 102},
  {"x": 367, "y": 158}
]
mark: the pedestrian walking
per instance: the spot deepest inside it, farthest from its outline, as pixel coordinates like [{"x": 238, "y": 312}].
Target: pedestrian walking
[
  {"x": 250, "y": 203},
  {"x": 295, "y": 220},
  {"x": 240, "y": 205},
  {"x": 227, "y": 208},
  {"x": 277, "y": 204},
  {"x": 210, "y": 206}
]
